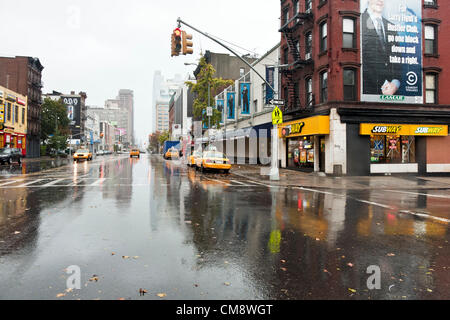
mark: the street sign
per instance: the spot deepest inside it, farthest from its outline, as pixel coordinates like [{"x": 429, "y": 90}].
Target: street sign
[
  {"x": 277, "y": 102},
  {"x": 277, "y": 116},
  {"x": 209, "y": 111}
]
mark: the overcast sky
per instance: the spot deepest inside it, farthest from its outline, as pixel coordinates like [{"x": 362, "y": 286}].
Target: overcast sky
[{"x": 101, "y": 46}]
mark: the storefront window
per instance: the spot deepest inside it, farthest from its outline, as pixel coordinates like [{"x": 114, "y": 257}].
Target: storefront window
[
  {"x": 301, "y": 152},
  {"x": 392, "y": 149}
]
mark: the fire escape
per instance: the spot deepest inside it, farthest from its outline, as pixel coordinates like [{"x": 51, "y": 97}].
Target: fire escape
[{"x": 297, "y": 62}]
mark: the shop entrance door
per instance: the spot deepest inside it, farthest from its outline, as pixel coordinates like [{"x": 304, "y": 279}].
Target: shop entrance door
[{"x": 322, "y": 154}]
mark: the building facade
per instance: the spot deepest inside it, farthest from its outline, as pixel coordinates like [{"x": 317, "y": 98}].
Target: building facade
[
  {"x": 119, "y": 113},
  {"x": 76, "y": 112},
  {"x": 162, "y": 100},
  {"x": 13, "y": 120},
  {"x": 226, "y": 66},
  {"x": 364, "y": 86},
  {"x": 23, "y": 75},
  {"x": 126, "y": 98}
]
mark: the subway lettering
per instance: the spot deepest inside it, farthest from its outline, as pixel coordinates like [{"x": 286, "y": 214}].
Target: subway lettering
[
  {"x": 424, "y": 130},
  {"x": 386, "y": 129}
]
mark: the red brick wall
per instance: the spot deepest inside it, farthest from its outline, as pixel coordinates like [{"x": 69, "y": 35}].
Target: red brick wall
[
  {"x": 336, "y": 58},
  {"x": 438, "y": 150},
  {"x": 440, "y": 16}
]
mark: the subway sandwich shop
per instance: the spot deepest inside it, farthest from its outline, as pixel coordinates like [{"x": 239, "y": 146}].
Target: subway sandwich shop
[{"x": 407, "y": 148}]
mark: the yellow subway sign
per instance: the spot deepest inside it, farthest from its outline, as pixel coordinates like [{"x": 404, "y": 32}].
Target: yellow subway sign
[
  {"x": 403, "y": 129},
  {"x": 318, "y": 125}
]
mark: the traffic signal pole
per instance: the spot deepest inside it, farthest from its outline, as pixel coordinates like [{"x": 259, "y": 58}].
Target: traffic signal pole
[
  {"x": 220, "y": 43},
  {"x": 274, "y": 172}
]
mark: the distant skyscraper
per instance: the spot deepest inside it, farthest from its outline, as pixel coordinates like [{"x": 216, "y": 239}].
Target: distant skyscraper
[
  {"x": 163, "y": 90},
  {"x": 126, "y": 98}
]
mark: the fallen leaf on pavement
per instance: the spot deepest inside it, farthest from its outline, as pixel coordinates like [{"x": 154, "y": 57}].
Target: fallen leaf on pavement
[
  {"x": 161, "y": 295},
  {"x": 227, "y": 284},
  {"x": 351, "y": 290},
  {"x": 59, "y": 295},
  {"x": 94, "y": 278}
]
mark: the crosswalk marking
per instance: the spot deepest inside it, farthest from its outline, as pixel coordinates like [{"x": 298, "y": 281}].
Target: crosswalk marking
[
  {"x": 29, "y": 183},
  {"x": 53, "y": 183},
  {"x": 10, "y": 182}
]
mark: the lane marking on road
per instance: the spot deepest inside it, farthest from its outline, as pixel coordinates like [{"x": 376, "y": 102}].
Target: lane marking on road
[
  {"x": 421, "y": 194},
  {"x": 98, "y": 182},
  {"x": 53, "y": 183},
  {"x": 346, "y": 196},
  {"x": 418, "y": 214},
  {"x": 11, "y": 182},
  {"x": 427, "y": 216},
  {"x": 30, "y": 183},
  {"x": 223, "y": 182},
  {"x": 242, "y": 184}
]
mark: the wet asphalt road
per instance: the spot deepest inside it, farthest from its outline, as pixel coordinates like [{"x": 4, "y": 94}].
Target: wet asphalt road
[{"x": 157, "y": 225}]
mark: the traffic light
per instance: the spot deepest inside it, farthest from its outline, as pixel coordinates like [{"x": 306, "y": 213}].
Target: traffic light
[
  {"x": 176, "y": 42},
  {"x": 187, "y": 45}
]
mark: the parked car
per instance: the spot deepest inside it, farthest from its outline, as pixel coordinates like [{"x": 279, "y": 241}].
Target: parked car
[
  {"x": 192, "y": 161},
  {"x": 82, "y": 154},
  {"x": 9, "y": 155},
  {"x": 100, "y": 152},
  {"x": 213, "y": 160}
]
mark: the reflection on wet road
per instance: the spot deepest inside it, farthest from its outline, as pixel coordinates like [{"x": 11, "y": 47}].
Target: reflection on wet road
[{"x": 157, "y": 225}]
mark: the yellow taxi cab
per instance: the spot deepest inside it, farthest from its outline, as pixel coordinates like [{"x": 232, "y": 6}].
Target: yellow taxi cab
[
  {"x": 213, "y": 160},
  {"x": 172, "y": 153},
  {"x": 82, "y": 154},
  {"x": 192, "y": 161},
  {"x": 135, "y": 153}
]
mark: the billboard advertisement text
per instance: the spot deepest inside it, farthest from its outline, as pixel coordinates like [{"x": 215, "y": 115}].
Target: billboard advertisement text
[{"x": 391, "y": 50}]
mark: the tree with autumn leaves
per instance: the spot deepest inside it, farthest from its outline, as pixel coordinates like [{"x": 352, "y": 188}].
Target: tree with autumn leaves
[{"x": 205, "y": 82}]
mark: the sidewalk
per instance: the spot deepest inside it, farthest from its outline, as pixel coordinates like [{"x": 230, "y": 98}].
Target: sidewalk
[
  {"x": 41, "y": 159},
  {"x": 294, "y": 178}
]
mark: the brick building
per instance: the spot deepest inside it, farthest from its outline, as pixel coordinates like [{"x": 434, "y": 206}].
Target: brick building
[
  {"x": 23, "y": 75},
  {"x": 359, "y": 107}
]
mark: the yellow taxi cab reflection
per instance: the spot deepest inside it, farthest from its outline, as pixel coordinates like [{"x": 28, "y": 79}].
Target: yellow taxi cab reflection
[
  {"x": 172, "y": 153},
  {"x": 82, "y": 154},
  {"x": 213, "y": 160}
]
